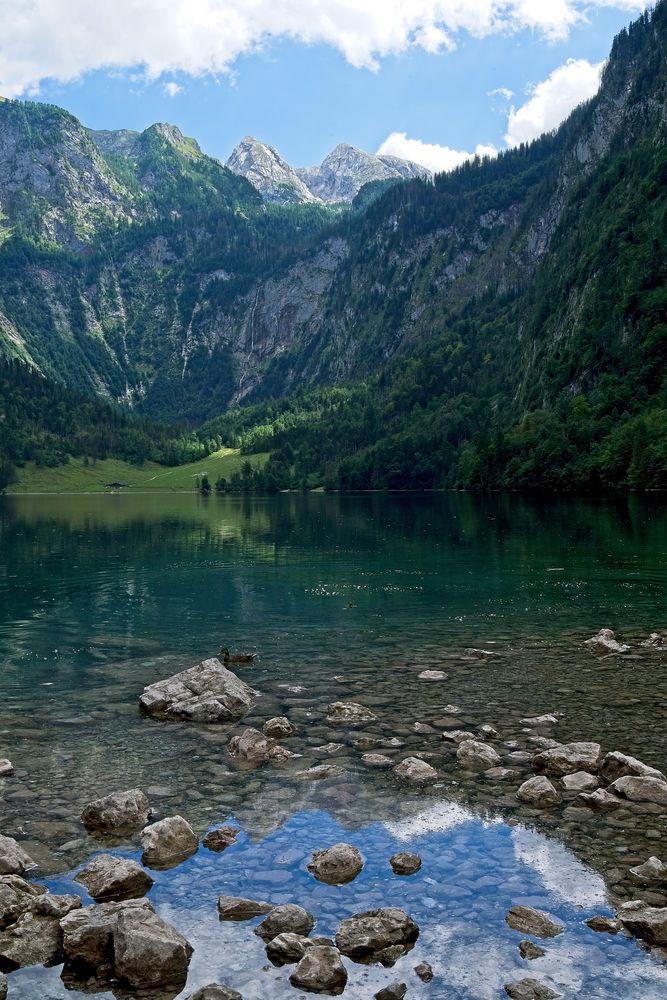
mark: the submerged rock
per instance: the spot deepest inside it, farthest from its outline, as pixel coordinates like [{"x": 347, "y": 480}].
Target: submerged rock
[
  {"x": 475, "y": 756},
  {"x": 598, "y": 800},
  {"x": 251, "y": 746},
  {"x": 568, "y": 759},
  {"x": 377, "y": 760},
  {"x": 640, "y": 789},
  {"x": 381, "y": 935},
  {"x": 488, "y": 732},
  {"x": 286, "y": 919},
  {"x": 320, "y": 971},
  {"x": 457, "y": 736},
  {"x": 538, "y": 792},
  {"x": 320, "y": 773},
  {"x": 649, "y": 923},
  {"x": 349, "y": 713},
  {"x": 405, "y": 863},
  {"x": 287, "y": 948},
  {"x": 540, "y": 721},
  {"x": 416, "y": 770},
  {"x": 605, "y": 642},
  {"x": 336, "y": 865},
  {"x": 237, "y": 908},
  {"x": 529, "y": 989},
  {"x": 619, "y": 765},
  {"x": 117, "y": 811},
  {"x": 168, "y": 842},
  {"x": 580, "y": 781},
  {"x": 279, "y": 728},
  {"x": 220, "y": 838},
  {"x": 655, "y": 641},
  {"x": 535, "y": 922},
  {"x": 148, "y": 951},
  {"x": 530, "y": 951},
  {"x": 433, "y": 675},
  {"x": 107, "y": 877},
  {"x": 207, "y": 692},
  {"x": 13, "y": 859},
  {"x": 214, "y": 991}
]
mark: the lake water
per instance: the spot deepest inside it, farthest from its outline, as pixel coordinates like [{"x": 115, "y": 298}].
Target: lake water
[{"x": 343, "y": 598}]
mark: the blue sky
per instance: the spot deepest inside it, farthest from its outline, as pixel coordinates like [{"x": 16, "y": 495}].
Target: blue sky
[{"x": 304, "y": 97}]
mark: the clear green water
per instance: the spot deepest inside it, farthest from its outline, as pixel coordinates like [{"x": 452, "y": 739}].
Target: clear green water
[{"x": 101, "y": 595}]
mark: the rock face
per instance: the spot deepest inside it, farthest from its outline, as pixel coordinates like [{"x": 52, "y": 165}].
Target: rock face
[
  {"x": 415, "y": 770},
  {"x": 349, "y": 713},
  {"x": 251, "y": 747},
  {"x": 107, "y": 877},
  {"x": 641, "y": 789},
  {"x": 619, "y": 765},
  {"x": 266, "y": 170},
  {"x": 476, "y": 756},
  {"x": 646, "y": 922},
  {"x": 148, "y": 951},
  {"x": 13, "y": 859},
  {"x": 336, "y": 865},
  {"x": 168, "y": 842},
  {"x": 345, "y": 170},
  {"x": 535, "y": 922},
  {"x": 529, "y": 989},
  {"x": 236, "y": 908},
  {"x": 320, "y": 971},
  {"x": 538, "y": 792},
  {"x": 287, "y": 949},
  {"x": 207, "y": 692},
  {"x": 215, "y": 992},
  {"x": 118, "y": 811},
  {"x": 567, "y": 759},
  {"x": 288, "y": 918},
  {"x": 605, "y": 642},
  {"x": 279, "y": 728},
  {"x": 405, "y": 863},
  {"x": 381, "y": 935}
]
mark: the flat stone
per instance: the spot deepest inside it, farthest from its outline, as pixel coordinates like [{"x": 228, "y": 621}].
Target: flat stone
[
  {"x": 529, "y": 989},
  {"x": 330, "y": 748},
  {"x": 538, "y": 792},
  {"x": 214, "y": 991},
  {"x": 108, "y": 877},
  {"x": 433, "y": 675},
  {"x": 288, "y": 918},
  {"x": 640, "y": 789},
  {"x": 568, "y": 759},
  {"x": 530, "y": 951},
  {"x": 457, "y": 736},
  {"x": 237, "y": 908},
  {"x": 377, "y": 760},
  {"x": 381, "y": 935},
  {"x": 168, "y": 842},
  {"x": 117, "y": 811},
  {"x": 405, "y": 863},
  {"x": 321, "y": 772},
  {"x": 649, "y": 923},
  {"x": 501, "y": 773},
  {"x": 540, "y": 721},
  {"x": 336, "y": 865},
  {"x": 475, "y": 756},
  {"x": 13, "y": 859},
  {"x": 580, "y": 781},
  {"x": 349, "y": 713},
  {"x": 320, "y": 971},
  {"x": 415, "y": 770},
  {"x": 207, "y": 692},
  {"x": 221, "y": 838},
  {"x": 619, "y": 765},
  {"x": 534, "y": 922}
]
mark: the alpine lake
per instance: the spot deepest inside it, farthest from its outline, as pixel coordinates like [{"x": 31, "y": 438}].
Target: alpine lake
[{"x": 345, "y": 598}]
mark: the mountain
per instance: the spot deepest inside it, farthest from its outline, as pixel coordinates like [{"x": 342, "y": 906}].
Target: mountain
[
  {"x": 339, "y": 178},
  {"x": 273, "y": 177},
  {"x": 504, "y": 324}
]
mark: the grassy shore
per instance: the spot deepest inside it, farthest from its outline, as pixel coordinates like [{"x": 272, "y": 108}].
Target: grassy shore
[{"x": 76, "y": 477}]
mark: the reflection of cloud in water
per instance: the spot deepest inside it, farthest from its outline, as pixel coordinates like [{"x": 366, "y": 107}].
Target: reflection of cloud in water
[
  {"x": 559, "y": 869},
  {"x": 440, "y": 818}
]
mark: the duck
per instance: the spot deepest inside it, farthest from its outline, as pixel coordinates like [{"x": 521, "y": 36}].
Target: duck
[{"x": 227, "y": 657}]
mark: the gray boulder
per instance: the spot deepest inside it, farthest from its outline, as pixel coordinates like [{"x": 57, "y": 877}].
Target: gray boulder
[
  {"x": 538, "y": 792},
  {"x": 534, "y": 922},
  {"x": 288, "y": 918},
  {"x": 405, "y": 863},
  {"x": 424, "y": 971},
  {"x": 207, "y": 692},
  {"x": 652, "y": 873},
  {"x": 475, "y": 756},
  {"x": 13, "y": 859},
  {"x": 580, "y": 781},
  {"x": 605, "y": 642},
  {"x": 16, "y": 898},
  {"x": 567, "y": 759},
  {"x": 619, "y": 765},
  {"x": 251, "y": 747},
  {"x": 649, "y": 923},
  {"x": 279, "y": 728},
  {"x": 457, "y": 736},
  {"x": 381, "y": 935},
  {"x": 32, "y": 940},
  {"x": 377, "y": 760},
  {"x": 215, "y": 992},
  {"x": 320, "y": 971},
  {"x": 237, "y": 908},
  {"x": 540, "y": 721},
  {"x": 168, "y": 842},
  {"x": 415, "y": 770},
  {"x": 117, "y": 811},
  {"x": 221, "y": 838},
  {"x": 530, "y": 989},
  {"x": 148, "y": 951},
  {"x": 336, "y": 865},
  {"x": 349, "y": 713},
  {"x": 597, "y": 801},
  {"x": 641, "y": 790},
  {"x": 287, "y": 949},
  {"x": 530, "y": 951},
  {"x": 88, "y": 934},
  {"x": 107, "y": 877},
  {"x": 395, "y": 991},
  {"x": 6, "y": 768}
]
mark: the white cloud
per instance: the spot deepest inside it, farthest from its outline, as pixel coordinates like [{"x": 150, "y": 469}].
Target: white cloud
[
  {"x": 552, "y": 100},
  {"x": 171, "y": 89},
  {"x": 63, "y": 39},
  {"x": 436, "y": 158},
  {"x": 501, "y": 92}
]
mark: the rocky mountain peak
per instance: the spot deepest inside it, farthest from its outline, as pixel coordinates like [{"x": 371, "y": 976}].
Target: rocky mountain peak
[{"x": 273, "y": 177}]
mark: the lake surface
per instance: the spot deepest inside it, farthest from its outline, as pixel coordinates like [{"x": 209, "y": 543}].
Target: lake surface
[{"x": 344, "y": 598}]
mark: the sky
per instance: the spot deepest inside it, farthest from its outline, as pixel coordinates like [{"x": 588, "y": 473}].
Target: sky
[{"x": 430, "y": 80}]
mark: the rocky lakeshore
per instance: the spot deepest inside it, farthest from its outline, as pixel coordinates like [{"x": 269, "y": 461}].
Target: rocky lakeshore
[{"x": 584, "y": 792}]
